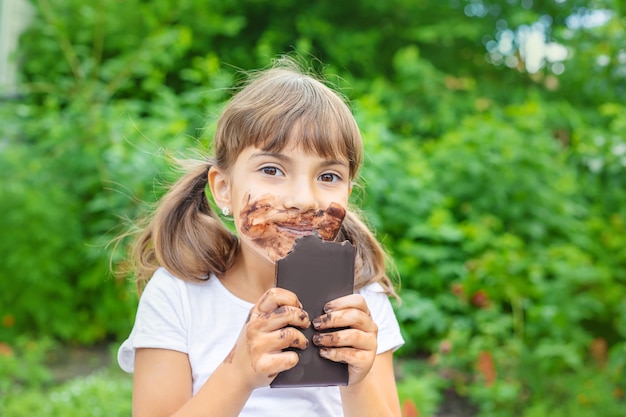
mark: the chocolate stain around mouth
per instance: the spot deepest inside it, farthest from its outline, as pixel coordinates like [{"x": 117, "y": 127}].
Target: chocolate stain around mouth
[{"x": 275, "y": 230}]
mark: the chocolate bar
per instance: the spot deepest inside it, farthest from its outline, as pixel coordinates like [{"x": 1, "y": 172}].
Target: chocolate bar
[{"x": 317, "y": 271}]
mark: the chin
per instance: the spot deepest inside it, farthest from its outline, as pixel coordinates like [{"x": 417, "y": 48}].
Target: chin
[{"x": 279, "y": 247}]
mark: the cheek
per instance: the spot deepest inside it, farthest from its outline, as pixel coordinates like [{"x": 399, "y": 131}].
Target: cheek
[
  {"x": 255, "y": 223},
  {"x": 330, "y": 222},
  {"x": 255, "y": 214},
  {"x": 273, "y": 245}
]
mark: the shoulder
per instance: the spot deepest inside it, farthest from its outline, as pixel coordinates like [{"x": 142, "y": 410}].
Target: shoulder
[
  {"x": 378, "y": 302},
  {"x": 373, "y": 288},
  {"x": 161, "y": 321},
  {"x": 161, "y": 282},
  {"x": 165, "y": 284},
  {"x": 162, "y": 289},
  {"x": 163, "y": 295},
  {"x": 374, "y": 293}
]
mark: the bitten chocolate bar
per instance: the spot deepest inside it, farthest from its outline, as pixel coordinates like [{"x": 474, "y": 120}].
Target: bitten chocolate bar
[{"x": 317, "y": 272}]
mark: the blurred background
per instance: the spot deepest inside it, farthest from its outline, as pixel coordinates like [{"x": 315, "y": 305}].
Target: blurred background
[{"x": 495, "y": 175}]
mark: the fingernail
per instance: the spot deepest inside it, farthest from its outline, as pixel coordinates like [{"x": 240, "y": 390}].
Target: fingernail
[
  {"x": 317, "y": 322},
  {"x": 328, "y": 308},
  {"x": 324, "y": 352},
  {"x": 296, "y": 343},
  {"x": 317, "y": 338}
]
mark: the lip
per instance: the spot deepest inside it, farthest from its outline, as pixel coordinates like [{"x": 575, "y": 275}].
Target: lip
[{"x": 297, "y": 231}]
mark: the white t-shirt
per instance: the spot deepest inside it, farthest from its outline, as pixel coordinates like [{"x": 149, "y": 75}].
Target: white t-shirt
[{"x": 204, "y": 320}]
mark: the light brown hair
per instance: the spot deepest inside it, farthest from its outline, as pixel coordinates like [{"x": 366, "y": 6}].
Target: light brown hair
[{"x": 275, "y": 107}]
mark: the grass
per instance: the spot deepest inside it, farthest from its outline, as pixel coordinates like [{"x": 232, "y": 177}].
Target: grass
[
  {"x": 40, "y": 378},
  {"x": 106, "y": 392}
]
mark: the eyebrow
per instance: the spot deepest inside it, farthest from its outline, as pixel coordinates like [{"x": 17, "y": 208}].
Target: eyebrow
[
  {"x": 265, "y": 154},
  {"x": 286, "y": 158}
]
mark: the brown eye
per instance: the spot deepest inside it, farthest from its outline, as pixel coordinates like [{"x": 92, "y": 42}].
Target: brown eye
[
  {"x": 271, "y": 171},
  {"x": 328, "y": 177}
]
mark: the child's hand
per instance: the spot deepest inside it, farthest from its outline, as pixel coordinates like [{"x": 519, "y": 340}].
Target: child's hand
[
  {"x": 356, "y": 345},
  {"x": 270, "y": 328}
]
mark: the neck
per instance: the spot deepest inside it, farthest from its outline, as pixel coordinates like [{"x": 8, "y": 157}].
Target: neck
[{"x": 250, "y": 276}]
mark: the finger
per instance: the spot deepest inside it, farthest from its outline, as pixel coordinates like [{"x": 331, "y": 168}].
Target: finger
[
  {"x": 281, "y": 317},
  {"x": 276, "y": 297},
  {"x": 349, "y": 301},
  {"x": 352, "y": 317},
  {"x": 346, "y": 338},
  {"x": 281, "y": 339},
  {"x": 269, "y": 351},
  {"x": 272, "y": 364},
  {"x": 356, "y": 358}
]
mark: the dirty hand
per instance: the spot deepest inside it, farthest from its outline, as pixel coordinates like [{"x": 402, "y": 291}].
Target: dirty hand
[
  {"x": 355, "y": 345},
  {"x": 272, "y": 326}
]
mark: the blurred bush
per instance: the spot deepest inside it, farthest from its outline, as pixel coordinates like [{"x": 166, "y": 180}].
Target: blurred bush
[
  {"x": 105, "y": 393},
  {"x": 510, "y": 248}
]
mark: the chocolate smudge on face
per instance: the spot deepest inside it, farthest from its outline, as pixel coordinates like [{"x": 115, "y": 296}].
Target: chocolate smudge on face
[{"x": 276, "y": 230}]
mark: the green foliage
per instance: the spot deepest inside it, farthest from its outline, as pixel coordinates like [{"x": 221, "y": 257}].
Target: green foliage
[
  {"x": 104, "y": 393},
  {"x": 28, "y": 386},
  {"x": 495, "y": 229},
  {"x": 75, "y": 162},
  {"x": 23, "y": 365},
  {"x": 422, "y": 391}
]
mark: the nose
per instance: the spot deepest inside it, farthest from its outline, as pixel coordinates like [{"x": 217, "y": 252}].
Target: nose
[{"x": 301, "y": 195}]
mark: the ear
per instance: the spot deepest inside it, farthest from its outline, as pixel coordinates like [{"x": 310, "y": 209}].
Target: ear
[{"x": 219, "y": 183}]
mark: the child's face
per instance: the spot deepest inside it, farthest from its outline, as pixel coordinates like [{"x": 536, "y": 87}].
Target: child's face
[{"x": 277, "y": 197}]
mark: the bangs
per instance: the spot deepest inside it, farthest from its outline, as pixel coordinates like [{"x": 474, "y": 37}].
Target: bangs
[
  {"x": 283, "y": 109},
  {"x": 316, "y": 130}
]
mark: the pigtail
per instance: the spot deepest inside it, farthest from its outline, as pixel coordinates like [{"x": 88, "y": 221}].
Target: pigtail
[
  {"x": 371, "y": 259},
  {"x": 184, "y": 235}
]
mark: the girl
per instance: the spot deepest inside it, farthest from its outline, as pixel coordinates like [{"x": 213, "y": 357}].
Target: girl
[{"x": 211, "y": 329}]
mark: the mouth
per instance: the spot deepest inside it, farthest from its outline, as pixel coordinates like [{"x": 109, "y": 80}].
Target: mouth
[
  {"x": 264, "y": 221},
  {"x": 295, "y": 230}
]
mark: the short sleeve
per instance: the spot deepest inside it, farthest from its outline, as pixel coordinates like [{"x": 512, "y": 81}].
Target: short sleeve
[
  {"x": 160, "y": 320},
  {"x": 389, "y": 335}
]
